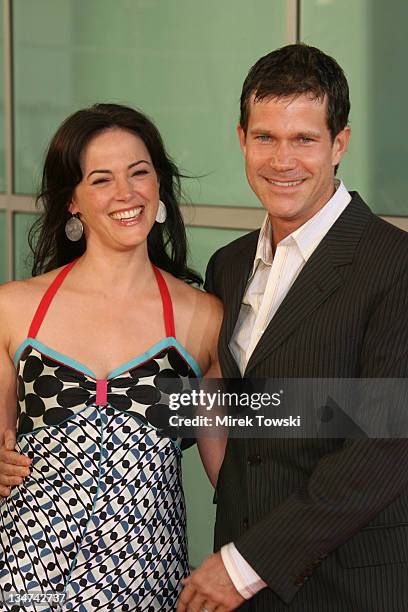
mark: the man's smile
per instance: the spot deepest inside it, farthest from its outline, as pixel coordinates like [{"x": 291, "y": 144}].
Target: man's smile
[{"x": 292, "y": 183}]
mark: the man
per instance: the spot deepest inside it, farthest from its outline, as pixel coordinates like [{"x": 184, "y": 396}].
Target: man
[{"x": 308, "y": 525}]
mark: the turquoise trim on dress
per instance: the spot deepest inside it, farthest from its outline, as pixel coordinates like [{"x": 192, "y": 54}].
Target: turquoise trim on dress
[
  {"x": 80, "y": 367},
  {"x": 49, "y": 352},
  {"x": 151, "y": 352}
]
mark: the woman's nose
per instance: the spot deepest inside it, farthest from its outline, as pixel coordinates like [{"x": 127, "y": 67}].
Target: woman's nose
[{"x": 124, "y": 190}]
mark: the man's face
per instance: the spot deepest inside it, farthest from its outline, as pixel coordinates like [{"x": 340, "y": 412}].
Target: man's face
[{"x": 290, "y": 158}]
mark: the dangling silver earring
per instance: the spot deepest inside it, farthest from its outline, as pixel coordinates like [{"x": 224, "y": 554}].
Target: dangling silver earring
[
  {"x": 161, "y": 214},
  {"x": 74, "y": 228}
]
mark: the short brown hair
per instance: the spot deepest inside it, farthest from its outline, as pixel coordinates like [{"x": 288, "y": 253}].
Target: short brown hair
[{"x": 294, "y": 70}]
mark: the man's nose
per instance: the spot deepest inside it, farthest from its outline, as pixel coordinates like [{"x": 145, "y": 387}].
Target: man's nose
[{"x": 282, "y": 157}]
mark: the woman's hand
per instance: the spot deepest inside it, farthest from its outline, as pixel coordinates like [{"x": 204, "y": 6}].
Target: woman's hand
[{"x": 13, "y": 466}]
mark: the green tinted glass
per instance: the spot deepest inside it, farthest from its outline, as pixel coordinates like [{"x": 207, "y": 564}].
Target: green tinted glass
[
  {"x": 200, "y": 508},
  {"x": 181, "y": 62},
  {"x": 205, "y": 241},
  {"x": 369, "y": 42}
]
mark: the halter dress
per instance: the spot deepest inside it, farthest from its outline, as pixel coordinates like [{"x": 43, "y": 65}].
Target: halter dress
[{"x": 101, "y": 518}]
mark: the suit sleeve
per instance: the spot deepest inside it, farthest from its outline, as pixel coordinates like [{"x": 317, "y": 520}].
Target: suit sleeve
[
  {"x": 347, "y": 489},
  {"x": 209, "y": 283}
]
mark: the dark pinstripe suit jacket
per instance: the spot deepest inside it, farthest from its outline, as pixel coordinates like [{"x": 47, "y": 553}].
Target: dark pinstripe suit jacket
[{"x": 323, "y": 521}]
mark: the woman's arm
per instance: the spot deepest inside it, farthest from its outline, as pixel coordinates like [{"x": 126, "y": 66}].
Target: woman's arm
[
  {"x": 8, "y": 400},
  {"x": 13, "y": 466},
  {"x": 212, "y": 452},
  {"x": 212, "y": 449}
]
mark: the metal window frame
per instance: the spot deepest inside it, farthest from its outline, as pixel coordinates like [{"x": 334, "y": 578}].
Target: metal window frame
[{"x": 199, "y": 215}]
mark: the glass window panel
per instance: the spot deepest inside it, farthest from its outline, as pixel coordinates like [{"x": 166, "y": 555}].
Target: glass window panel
[
  {"x": 204, "y": 241},
  {"x": 181, "y": 62},
  {"x": 22, "y": 253},
  {"x": 388, "y": 96},
  {"x": 3, "y": 247},
  {"x": 369, "y": 42},
  {"x": 200, "y": 508}
]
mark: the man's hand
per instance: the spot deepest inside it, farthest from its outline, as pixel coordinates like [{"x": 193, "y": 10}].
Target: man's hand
[
  {"x": 13, "y": 466},
  {"x": 210, "y": 588}
]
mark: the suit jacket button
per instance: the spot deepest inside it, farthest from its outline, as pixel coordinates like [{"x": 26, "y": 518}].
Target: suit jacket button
[
  {"x": 254, "y": 459},
  {"x": 245, "y": 523}
]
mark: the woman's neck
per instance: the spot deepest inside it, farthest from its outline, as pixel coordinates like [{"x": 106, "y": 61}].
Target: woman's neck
[{"x": 125, "y": 272}]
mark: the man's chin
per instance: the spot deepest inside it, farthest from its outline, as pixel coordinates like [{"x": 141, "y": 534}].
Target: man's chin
[{"x": 285, "y": 210}]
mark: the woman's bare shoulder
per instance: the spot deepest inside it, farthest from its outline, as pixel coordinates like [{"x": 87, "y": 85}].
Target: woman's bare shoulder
[
  {"x": 194, "y": 299},
  {"x": 210, "y": 306},
  {"x": 27, "y": 286},
  {"x": 18, "y": 297}
]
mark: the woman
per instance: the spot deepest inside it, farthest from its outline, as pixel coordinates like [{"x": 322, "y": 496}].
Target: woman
[{"x": 111, "y": 328}]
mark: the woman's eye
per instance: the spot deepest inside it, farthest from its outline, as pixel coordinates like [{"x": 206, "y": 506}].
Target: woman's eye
[
  {"x": 139, "y": 173},
  {"x": 100, "y": 180}
]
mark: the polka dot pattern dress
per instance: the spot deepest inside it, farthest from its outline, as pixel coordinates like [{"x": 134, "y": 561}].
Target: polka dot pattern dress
[{"x": 101, "y": 518}]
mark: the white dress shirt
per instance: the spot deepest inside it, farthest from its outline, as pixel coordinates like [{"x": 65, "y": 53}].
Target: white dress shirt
[{"x": 268, "y": 285}]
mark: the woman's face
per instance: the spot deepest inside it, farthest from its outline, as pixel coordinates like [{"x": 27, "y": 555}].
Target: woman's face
[{"x": 118, "y": 195}]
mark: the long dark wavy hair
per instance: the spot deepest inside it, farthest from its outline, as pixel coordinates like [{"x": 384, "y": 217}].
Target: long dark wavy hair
[{"x": 166, "y": 242}]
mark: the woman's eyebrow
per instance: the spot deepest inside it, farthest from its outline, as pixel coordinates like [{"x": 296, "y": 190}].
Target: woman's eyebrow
[{"x": 132, "y": 165}]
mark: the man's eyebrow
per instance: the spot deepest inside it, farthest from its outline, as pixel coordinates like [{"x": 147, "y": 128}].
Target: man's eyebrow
[
  {"x": 258, "y": 129},
  {"x": 308, "y": 133},
  {"x": 132, "y": 165},
  {"x": 297, "y": 134}
]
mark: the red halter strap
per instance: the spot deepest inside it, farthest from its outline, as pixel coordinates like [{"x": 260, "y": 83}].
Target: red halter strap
[
  {"x": 47, "y": 299},
  {"x": 167, "y": 305},
  {"x": 58, "y": 280}
]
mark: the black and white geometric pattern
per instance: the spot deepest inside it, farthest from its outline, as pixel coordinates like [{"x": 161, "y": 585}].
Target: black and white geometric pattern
[
  {"x": 49, "y": 392},
  {"x": 101, "y": 517}
]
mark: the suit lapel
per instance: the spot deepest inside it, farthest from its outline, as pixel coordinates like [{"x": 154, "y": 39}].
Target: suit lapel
[
  {"x": 317, "y": 281},
  {"x": 235, "y": 283}
]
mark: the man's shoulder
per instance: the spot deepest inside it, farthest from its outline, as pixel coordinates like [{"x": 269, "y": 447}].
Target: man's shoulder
[
  {"x": 224, "y": 262},
  {"x": 358, "y": 213},
  {"x": 389, "y": 231},
  {"x": 382, "y": 246},
  {"x": 383, "y": 235}
]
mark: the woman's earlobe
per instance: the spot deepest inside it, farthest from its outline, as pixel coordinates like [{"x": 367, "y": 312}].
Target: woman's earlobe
[{"x": 72, "y": 208}]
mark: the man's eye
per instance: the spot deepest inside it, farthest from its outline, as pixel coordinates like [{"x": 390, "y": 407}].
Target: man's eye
[
  {"x": 263, "y": 137},
  {"x": 305, "y": 139}
]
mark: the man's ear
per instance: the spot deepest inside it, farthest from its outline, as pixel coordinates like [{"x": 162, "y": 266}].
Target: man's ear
[
  {"x": 340, "y": 145},
  {"x": 242, "y": 138}
]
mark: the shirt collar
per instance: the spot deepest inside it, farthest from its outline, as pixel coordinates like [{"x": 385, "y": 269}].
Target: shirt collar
[{"x": 308, "y": 235}]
